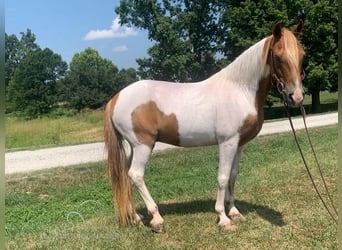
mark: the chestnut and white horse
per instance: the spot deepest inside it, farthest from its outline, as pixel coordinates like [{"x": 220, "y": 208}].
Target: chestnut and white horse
[{"x": 225, "y": 109}]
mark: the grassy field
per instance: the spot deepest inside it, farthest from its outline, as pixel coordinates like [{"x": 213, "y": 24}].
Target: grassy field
[
  {"x": 71, "y": 208},
  {"x": 88, "y": 126},
  {"x": 46, "y": 132}
]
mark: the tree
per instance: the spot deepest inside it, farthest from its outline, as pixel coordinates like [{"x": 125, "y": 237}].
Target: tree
[
  {"x": 243, "y": 23},
  {"x": 125, "y": 77},
  {"x": 320, "y": 42},
  {"x": 185, "y": 35},
  {"x": 32, "y": 89},
  {"x": 90, "y": 81},
  {"x": 11, "y": 56},
  {"x": 16, "y": 50}
]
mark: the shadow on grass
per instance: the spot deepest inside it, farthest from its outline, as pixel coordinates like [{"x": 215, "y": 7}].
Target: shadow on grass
[{"x": 202, "y": 206}]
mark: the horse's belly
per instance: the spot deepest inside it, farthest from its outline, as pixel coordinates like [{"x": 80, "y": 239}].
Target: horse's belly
[
  {"x": 197, "y": 130},
  {"x": 197, "y": 139}
]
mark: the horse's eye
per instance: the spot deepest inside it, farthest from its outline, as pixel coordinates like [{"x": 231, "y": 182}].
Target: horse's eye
[{"x": 278, "y": 59}]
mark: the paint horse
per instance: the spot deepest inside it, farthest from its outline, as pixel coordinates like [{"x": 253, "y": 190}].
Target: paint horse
[{"x": 225, "y": 109}]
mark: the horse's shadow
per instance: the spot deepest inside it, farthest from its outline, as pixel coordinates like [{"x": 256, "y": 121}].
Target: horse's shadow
[{"x": 201, "y": 206}]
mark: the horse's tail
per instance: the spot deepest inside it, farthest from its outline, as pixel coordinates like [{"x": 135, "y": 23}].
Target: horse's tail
[{"x": 117, "y": 168}]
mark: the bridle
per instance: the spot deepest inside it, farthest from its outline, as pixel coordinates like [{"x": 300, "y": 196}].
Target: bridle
[
  {"x": 275, "y": 78},
  {"x": 281, "y": 89}
]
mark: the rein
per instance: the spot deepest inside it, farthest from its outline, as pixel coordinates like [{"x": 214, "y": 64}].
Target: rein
[
  {"x": 306, "y": 165},
  {"x": 281, "y": 89}
]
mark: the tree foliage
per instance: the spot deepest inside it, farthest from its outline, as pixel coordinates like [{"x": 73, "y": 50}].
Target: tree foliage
[
  {"x": 16, "y": 50},
  {"x": 91, "y": 80},
  {"x": 11, "y": 56},
  {"x": 38, "y": 80},
  {"x": 125, "y": 77},
  {"x": 185, "y": 34},
  {"x": 243, "y": 23},
  {"x": 32, "y": 89},
  {"x": 320, "y": 41}
]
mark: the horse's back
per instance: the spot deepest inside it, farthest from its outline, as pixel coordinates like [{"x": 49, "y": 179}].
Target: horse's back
[{"x": 175, "y": 113}]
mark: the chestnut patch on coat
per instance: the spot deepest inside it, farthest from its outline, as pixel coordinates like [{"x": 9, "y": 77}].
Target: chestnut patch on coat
[
  {"x": 150, "y": 124},
  {"x": 249, "y": 129}
]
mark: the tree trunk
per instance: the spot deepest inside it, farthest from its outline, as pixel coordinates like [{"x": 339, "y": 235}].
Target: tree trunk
[{"x": 316, "y": 102}]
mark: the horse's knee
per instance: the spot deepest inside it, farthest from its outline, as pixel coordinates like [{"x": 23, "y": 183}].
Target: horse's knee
[
  {"x": 136, "y": 176},
  {"x": 222, "y": 181}
]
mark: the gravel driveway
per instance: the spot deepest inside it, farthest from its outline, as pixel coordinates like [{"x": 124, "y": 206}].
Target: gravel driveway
[{"x": 30, "y": 160}]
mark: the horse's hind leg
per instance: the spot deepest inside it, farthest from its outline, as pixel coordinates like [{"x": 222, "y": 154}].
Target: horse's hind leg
[
  {"x": 234, "y": 213},
  {"x": 141, "y": 154}
]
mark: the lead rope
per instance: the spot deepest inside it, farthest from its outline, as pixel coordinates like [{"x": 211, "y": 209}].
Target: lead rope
[
  {"x": 316, "y": 160},
  {"x": 306, "y": 165}
]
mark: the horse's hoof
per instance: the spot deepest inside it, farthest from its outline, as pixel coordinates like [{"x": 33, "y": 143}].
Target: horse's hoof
[
  {"x": 229, "y": 227},
  {"x": 138, "y": 220},
  {"x": 237, "y": 217},
  {"x": 158, "y": 228}
]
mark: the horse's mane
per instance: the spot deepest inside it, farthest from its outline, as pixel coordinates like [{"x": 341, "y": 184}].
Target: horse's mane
[{"x": 248, "y": 67}]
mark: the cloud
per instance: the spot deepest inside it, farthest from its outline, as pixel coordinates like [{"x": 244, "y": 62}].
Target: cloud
[
  {"x": 121, "y": 48},
  {"x": 115, "y": 31}
]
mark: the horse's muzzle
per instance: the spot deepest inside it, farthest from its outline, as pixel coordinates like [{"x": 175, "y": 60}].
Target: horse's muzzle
[{"x": 296, "y": 98}]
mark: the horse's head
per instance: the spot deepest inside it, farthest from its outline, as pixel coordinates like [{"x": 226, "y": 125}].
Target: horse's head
[{"x": 286, "y": 55}]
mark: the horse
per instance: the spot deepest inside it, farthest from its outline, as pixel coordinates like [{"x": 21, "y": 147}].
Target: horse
[{"x": 226, "y": 109}]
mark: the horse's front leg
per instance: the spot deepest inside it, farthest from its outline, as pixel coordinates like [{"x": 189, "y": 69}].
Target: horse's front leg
[
  {"x": 227, "y": 151},
  {"x": 234, "y": 213}
]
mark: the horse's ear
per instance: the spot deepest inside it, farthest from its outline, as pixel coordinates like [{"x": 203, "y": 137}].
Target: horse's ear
[
  {"x": 277, "y": 31},
  {"x": 299, "y": 28}
]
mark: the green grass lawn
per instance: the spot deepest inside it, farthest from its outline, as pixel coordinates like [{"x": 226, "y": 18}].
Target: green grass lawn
[
  {"x": 88, "y": 126},
  {"x": 71, "y": 208},
  {"x": 46, "y": 132}
]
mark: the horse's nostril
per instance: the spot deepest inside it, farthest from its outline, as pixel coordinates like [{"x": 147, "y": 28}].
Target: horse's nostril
[
  {"x": 290, "y": 96},
  {"x": 296, "y": 97}
]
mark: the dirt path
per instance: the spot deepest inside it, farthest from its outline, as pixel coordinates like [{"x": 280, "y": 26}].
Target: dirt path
[{"x": 30, "y": 160}]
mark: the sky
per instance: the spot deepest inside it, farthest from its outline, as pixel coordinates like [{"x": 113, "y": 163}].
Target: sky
[{"x": 70, "y": 26}]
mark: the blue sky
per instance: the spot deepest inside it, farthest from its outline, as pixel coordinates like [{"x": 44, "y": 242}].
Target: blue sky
[{"x": 70, "y": 26}]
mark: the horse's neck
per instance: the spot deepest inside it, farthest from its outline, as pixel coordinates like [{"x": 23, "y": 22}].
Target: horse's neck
[
  {"x": 249, "y": 67},
  {"x": 250, "y": 71}
]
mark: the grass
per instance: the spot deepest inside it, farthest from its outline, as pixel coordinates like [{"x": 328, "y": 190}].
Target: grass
[
  {"x": 71, "y": 208},
  {"x": 88, "y": 126},
  {"x": 46, "y": 132}
]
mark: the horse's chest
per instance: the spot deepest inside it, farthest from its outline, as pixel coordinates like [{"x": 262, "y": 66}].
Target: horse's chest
[{"x": 250, "y": 128}]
